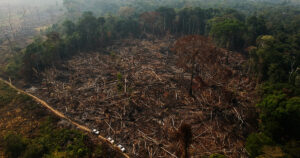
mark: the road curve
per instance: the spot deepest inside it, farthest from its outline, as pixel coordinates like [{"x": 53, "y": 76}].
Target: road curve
[{"x": 61, "y": 115}]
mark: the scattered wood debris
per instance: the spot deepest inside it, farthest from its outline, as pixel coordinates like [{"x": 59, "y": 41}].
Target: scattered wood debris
[{"x": 136, "y": 94}]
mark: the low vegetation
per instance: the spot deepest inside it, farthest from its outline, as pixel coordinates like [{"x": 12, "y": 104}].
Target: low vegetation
[{"x": 28, "y": 130}]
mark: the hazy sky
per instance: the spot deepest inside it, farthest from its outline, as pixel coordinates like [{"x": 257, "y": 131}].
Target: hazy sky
[{"x": 29, "y": 2}]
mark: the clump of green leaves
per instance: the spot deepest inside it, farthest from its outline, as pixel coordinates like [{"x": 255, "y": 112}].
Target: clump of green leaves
[
  {"x": 280, "y": 116},
  {"x": 255, "y": 143},
  {"x": 49, "y": 142},
  {"x": 217, "y": 156},
  {"x": 120, "y": 82},
  {"x": 228, "y": 34},
  {"x": 112, "y": 54},
  {"x": 14, "y": 145},
  {"x": 279, "y": 121}
]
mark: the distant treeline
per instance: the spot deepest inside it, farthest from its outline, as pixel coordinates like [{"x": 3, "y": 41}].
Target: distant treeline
[
  {"x": 103, "y": 7},
  {"x": 228, "y": 28}
]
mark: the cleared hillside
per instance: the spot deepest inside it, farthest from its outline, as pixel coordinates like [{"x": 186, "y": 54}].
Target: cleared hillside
[{"x": 136, "y": 93}]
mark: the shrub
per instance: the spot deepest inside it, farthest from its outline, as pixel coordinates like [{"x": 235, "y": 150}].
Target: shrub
[
  {"x": 34, "y": 151},
  {"x": 280, "y": 116},
  {"x": 255, "y": 143},
  {"x": 6, "y": 94},
  {"x": 14, "y": 145},
  {"x": 292, "y": 148},
  {"x": 217, "y": 156},
  {"x": 120, "y": 83}
]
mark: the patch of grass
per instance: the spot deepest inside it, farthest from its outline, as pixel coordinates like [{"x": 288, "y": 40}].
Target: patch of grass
[
  {"x": 6, "y": 94},
  {"x": 9, "y": 95}
]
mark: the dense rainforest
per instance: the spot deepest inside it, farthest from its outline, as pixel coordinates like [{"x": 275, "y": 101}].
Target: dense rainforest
[{"x": 267, "y": 33}]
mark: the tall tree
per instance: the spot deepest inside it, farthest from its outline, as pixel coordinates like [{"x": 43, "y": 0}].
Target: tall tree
[
  {"x": 256, "y": 26},
  {"x": 229, "y": 34},
  {"x": 86, "y": 28},
  {"x": 69, "y": 27},
  {"x": 167, "y": 17}
]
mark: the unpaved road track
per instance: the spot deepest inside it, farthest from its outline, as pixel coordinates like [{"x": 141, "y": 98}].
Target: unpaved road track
[{"x": 61, "y": 115}]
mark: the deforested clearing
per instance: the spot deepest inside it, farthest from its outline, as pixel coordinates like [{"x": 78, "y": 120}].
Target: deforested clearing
[{"x": 136, "y": 92}]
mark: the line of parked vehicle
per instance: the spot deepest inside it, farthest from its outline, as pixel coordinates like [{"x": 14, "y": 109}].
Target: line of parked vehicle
[{"x": 96, "y": 132}]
